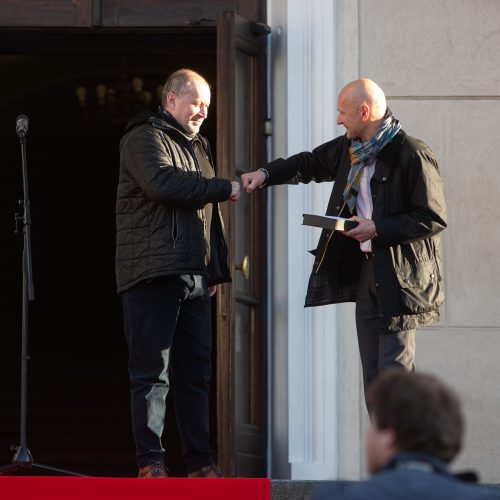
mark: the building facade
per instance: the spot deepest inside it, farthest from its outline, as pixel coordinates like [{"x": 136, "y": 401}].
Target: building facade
[
  {"x": 438, "y": 64},
  {"x": 287, "y": 398}
]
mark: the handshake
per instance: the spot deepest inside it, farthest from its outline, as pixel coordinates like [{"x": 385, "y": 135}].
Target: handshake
[{"x": 250, "y": 181}]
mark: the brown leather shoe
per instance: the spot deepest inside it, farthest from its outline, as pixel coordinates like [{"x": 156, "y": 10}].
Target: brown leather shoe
[
  {"x": 207, "y": 471},
  {"x": 153, "y": 470}
]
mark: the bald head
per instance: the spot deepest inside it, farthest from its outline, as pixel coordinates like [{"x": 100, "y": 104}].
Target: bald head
[
  {"x": 366, "y": 91},
  {"x": 361, "y": 106},
  {"x": 180, "y": 81},
  {"x": 186, "y": 96}
]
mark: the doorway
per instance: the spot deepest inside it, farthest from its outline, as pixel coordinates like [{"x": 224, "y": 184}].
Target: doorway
[
  {"x": 78, "y": 91},
  {"x": 78, "y": 413}
]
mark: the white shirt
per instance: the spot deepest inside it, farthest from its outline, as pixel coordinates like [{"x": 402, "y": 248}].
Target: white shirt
[{"x": 364, "y": 202}]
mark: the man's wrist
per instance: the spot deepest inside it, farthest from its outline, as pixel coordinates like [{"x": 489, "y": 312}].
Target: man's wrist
[{"x": 266, "y": 174}]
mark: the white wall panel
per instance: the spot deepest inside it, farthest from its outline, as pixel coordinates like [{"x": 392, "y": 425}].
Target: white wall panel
[
  {"x": 467, "y": 359},
  {"x": 431, "y": 47},
  {"x": 473, "y": 190}
]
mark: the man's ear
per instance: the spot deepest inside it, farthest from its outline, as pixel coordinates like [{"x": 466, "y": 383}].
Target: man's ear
[
  {"x": 388, "y": 439},
  {"x": 365, "y": 111},
  {"x": 170, "y": 100}
]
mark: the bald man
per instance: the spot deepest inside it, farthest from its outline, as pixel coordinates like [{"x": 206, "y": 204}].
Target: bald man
[
  {"x": 389, "y": 264},
  {"x": 171, "y": 254}
]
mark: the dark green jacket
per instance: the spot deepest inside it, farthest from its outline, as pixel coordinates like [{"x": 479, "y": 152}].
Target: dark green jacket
[
  {"x": 409, "y": 213},
  {"x": 159, "y": 224}
]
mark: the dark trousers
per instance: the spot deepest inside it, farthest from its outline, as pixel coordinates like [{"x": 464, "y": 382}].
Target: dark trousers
[
  {"x": 168, "y": 329},
  {"x": 379, "y": 348}
]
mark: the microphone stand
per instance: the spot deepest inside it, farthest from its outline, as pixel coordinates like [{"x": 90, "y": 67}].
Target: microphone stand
[{"x": 22, "y": 456}]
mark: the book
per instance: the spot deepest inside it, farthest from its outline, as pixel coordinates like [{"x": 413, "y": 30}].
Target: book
[{"x": 329, "y": 222}]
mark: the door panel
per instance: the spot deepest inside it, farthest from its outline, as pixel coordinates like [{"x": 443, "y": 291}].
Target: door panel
[
  {"x": 122, "y": 13},
  {"x": 174, "y": 12},
  {"x": 60, "y": 13},
  {"x": 241, "y": 323}
]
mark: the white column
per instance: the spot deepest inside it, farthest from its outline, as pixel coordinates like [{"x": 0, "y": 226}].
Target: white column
[
  {"x": 303, "y": 62},
  {"x": 351, "y": 411}
]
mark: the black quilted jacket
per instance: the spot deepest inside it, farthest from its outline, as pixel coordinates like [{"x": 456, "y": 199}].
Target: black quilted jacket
[{"x": 159, "y": 227}]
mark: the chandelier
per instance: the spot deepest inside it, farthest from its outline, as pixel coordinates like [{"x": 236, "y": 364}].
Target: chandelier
[{"x": 115, "y": 102}]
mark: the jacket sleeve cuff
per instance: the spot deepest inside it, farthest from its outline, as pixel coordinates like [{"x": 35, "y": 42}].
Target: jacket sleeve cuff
[
  {"x": 280, "y": 172},
  {"x": 226, "y": 189}
]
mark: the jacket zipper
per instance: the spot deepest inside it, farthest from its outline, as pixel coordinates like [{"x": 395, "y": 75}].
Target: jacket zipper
[
  {"x": 174, "y": 227},
  {"x": 198, "y": 171},
  {"x": 223, "y": 228}
]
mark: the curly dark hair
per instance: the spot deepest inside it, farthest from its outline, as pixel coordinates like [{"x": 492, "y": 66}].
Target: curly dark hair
[{"x": 425, "y": 414}]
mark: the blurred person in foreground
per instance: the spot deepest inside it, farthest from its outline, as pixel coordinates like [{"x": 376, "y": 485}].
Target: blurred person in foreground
[{"x": 416, "y": 430}]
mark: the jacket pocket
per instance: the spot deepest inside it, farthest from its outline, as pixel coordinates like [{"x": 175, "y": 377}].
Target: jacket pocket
[{"x": 420, "y": 287}]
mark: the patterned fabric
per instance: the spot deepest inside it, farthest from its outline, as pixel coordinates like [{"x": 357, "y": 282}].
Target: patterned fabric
[{"x": 360, "y": 152}]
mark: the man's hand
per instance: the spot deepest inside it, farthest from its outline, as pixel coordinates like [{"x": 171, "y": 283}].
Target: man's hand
[
  {"x": 212, "y": 290},
  {"x": 364, "y": 231},
  {"x": 235, "y": 192},
  {"x": 253, "y": 180}
]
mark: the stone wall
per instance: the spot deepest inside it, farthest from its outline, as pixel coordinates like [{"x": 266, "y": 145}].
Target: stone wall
[{"x": 439, "y": 64}]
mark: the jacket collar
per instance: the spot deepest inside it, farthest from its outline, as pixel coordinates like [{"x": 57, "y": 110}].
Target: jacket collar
[
  {"x": 416, "y": 461},
  {"x": 162, "y": 120},
  {"x": 388, "y": 157},
  {"x": 427, "y": 463},
  {"x": 173, "y": 123}
]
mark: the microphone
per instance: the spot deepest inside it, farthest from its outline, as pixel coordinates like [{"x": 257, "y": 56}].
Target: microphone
[{"x": 22, "y": 125}]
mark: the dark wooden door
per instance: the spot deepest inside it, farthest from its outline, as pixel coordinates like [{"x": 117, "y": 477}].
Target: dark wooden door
[{"x": 241, "y": 328}]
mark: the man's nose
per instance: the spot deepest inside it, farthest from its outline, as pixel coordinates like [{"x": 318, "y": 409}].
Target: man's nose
[
  {"x": 339, "y": 121},
  {"x": 204, "y": 111}
]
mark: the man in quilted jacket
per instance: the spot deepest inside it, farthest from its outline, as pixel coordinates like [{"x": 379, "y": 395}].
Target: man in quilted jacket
[{"x": 171, "y": 253}]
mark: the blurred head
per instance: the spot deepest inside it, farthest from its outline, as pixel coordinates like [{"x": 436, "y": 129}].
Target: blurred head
[
  {"x": 361, "y": 107},
  {"x": 186, "y": 96},
  {"x": 412, "y": 412}
]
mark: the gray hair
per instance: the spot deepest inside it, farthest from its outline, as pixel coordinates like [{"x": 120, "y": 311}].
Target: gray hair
[{"x": 179, "y": 82}]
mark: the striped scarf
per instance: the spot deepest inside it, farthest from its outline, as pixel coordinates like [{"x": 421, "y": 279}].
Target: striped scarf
[{"x": 360, "y": 152}]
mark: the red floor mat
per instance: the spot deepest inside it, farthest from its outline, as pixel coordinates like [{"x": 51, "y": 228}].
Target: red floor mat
[{"x": 72, "y": 488}]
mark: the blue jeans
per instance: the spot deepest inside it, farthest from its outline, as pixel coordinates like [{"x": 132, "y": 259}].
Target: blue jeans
[{"x": 167, "y": 324}]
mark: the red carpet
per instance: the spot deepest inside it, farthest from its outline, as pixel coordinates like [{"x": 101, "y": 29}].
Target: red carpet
[{"x": 90, "y": 488}]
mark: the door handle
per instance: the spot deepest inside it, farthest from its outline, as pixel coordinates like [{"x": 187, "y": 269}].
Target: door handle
[{"x": 244, "y": 267}]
